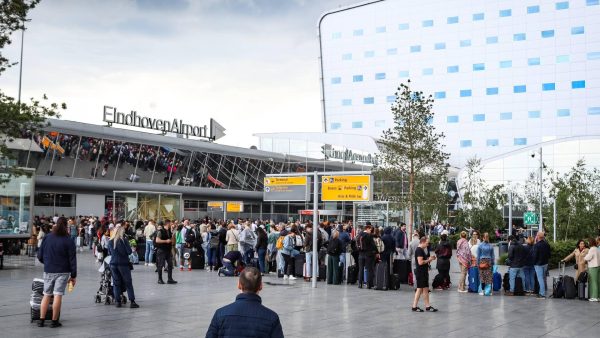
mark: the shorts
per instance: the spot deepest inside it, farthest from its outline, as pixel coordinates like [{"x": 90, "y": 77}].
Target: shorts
[
  {"x": 422, "y": 278},
  {"x": 56, "y": 283}
]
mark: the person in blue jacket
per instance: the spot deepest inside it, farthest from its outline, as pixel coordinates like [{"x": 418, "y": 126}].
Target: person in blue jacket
[{"x": 119, "y": 250}]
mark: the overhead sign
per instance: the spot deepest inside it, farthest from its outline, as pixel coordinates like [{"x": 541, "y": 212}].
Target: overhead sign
[
  {"x": 346, "y": 188},
  {"x": 235, "y": 206},
  {"x": 286, "y": 188},
  {"x": 215, "y": 206},
  {"x": 347, "y": 155},
  {"x": 530, "y": 218}
]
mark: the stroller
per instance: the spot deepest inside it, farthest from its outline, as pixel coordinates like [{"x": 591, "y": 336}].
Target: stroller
[{"x": 105, "y": 292}]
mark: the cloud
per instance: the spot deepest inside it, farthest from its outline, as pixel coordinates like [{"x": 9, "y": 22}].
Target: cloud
[{"x": 162, "y": 5}]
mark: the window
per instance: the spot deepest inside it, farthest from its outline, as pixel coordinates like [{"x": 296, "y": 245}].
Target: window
[
  {"x": 380, "y": 76},
  {"x": 563, "y": 112},
  {"x": 505, "y": 13},
  {"x": 64, "y": 200},
  {"x": 392, "y": 51},
  {"x": 346, "y": 102},
  {"x": 478, "y": 16},
  {"x": 357, "y": 78},
  {"x": 562, "y": 5},
  {"x": 594, "y": 111},
  {"x": 335, "y": 125},
  {"x": 439, "y": 95},
  {"x": 439, "y": 45},
  {"x": 534, "y": 114},
  {"x": 465, "y": 43},
  {"x": 427, "y": 23},
  {"x": 336, "y": 35},
  {"x": 347, "y": 56},
  {"x": 520, "y": 141},
  {"x": 369, "y": 100},
  {"x": 336, "y": 80},
  {"x": 548, "y": 86},
  {"x": 491, "y": 91},
  {"x": 403, "y": 26},
  {"x": 578, "y": 84},
  {"x": 593, "y": 55},
  {"x": 466, "y": 143},
  {"x": 369, "y": 54},
  {"x": 428, "y": 71},
  {"x": 403, "y": 74},
  {"x": 533, "y": 61},
  {"x": 465, "y": 93},
  {"x": 380, "y": 123},
  {"x": 492, "y": 142},
  {"x": 380, "y": 29},
  {"x": 533, "y": 9},
  {"x": 506, "y": 116},
  {"x": 390, "y": 99},
  {"x": 478, "y": 67},
  {"x": 491, "y": 40},
  {"x": 358, "y": 32},
  {"x": 452, "y": 119},
  {"x": 548, "y": 34},
  {"x": 520, "y": 89},
  {"x": 357, "y": 124},
  {"x": 519, "y": 37},
  {"x": 478, "y": 117},
  {"x": 562, "y": 58},
  {"x": 415, "y": 49},
  {"x": 577, "y": 30},
  {"x": 452, "y": 20},
  {"x": 506, "y": 64},
  {"x": 452, "y": 69},
  {"x": 592, "y": 2}
]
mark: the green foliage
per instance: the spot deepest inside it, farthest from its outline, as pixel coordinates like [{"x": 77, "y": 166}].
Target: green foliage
[
  {"x": 502, "y": 259},
  {"x": 560, "y": 250},
  {"x": 453, "y": 239}
]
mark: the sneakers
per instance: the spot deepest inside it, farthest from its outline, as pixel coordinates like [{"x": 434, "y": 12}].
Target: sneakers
[
  {"x": 481, "y": 293},
  {"x": 151, "y": 264},
  {"x": 540, "y": 297},
  {"x": 462, "y": 291},
  {"x": 593, "y": 299},
  {"x": 292, "y": 278},
  {"x": 146, "y": 264},
  {"x": 133, "y": 305},
  {"x": 285, "y": 276},
  {"x": 171, "y": 282},
  {"x": 508, "y": 293}
]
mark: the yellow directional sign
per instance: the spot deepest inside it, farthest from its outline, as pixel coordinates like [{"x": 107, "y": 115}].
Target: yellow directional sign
[
  {"x": 215, "y": 206},
  {"x": 277, "y": 181},
  {"x": 235, "y": 206},
  {"x": 346, "y": 188}
]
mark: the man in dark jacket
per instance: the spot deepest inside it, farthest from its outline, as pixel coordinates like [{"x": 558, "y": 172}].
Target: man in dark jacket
[
  {"x": 366, "y": 256},
  {"x": 541, "y": 256},
  {"x": 516, "y": 261},
  {"x": 388, "y": 244},
  {"x": 402, "y": 242},
  {"x": 246, "y": 317}
]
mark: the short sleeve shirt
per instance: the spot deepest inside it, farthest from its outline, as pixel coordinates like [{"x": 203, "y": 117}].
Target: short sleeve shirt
[{"x": 420, "y": 252}]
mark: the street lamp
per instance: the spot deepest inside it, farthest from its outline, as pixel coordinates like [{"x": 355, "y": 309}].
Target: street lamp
[{"x": 541, "y": 226}]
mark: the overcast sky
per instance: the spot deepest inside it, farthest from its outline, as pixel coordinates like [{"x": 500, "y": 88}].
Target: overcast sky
[{"x": 250, "y": 64}]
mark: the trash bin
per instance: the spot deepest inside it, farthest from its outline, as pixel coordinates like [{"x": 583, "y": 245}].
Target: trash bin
[{"x": 502, "y": 247}]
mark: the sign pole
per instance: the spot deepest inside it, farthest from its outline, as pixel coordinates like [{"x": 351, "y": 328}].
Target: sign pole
[
  {"x": 315, "y": 253},
  {"x": 554, "y": 221},
  {"x": 510, "y": 215}
]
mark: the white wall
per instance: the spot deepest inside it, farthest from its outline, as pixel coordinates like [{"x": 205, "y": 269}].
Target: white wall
[{"x": 86, "y": 205}]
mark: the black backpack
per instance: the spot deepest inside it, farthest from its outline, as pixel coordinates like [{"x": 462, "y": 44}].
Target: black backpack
[
  {"x": 214, "y": 241},
  {"x": 190, "y": 238},
  {"x": 359, "y": 242}
]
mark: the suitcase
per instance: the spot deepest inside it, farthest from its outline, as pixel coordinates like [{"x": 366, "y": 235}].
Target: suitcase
[
  {"x": 401, "y": 267},
  {"x": 519, "y": 288},
  {"x": 382, "y": 274},
  {"x": 352, "y": 274},
  {"x": 299, "y": 261},
  {"x": 473, "y": 279},
  {"x": 395, "y": 282},
  {"x": 557, "y": 287},
  {"x": 569, "y": 287},
  {"x": 438, "y": 281},
  {"x": 322, "y": 272},
  {"x": 497, "y": 281},
  {"x": 581, "y": 291},
  {"x": 506, "y": 282},
  {"x": 197, "y": 260},
  {"x": 141, "y": 250}
]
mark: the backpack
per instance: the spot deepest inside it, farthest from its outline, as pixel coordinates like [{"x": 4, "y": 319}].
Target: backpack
[
  {"x": 279, "y": 244},
  {"x": 190, "y": 238},
  {"x": 289, "y": 243},
  {"x": 359, "y": 242},
  {"x": 214, "y": 241}
]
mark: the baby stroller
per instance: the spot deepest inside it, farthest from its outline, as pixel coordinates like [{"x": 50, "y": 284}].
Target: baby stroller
[{"x": 105, "y": 292}]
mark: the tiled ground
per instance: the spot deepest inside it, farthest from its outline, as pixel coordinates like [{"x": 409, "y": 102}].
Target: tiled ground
[{"x": 185, "y": 310}]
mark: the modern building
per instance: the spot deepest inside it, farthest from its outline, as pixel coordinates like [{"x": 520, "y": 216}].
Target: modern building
[{"x": 505, "y": 74}]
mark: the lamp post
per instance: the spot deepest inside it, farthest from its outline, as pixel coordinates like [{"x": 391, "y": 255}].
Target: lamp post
[
  {"x": 21, "y": 65},
  {"x": 541, "y": 227}
]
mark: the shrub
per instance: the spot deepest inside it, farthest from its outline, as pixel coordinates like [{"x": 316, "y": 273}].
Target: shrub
[
  {"x": 502, "y": 259},
  {"x": 560, "y": 250}
]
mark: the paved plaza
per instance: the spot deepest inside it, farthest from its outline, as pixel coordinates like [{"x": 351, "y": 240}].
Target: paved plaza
[{"x": 185, "y": 309}]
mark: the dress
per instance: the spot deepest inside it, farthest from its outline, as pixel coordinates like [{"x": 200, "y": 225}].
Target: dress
[{"x": 422, "y": 271}]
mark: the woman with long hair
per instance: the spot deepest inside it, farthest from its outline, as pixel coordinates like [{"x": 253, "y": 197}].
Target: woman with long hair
[
  {"x": 579, "y": 254},
  {"x": 463, "y": 255},
  {"x": 120, "y": 250},
  {"x": 485, "y": 262},
  {"x": 528, "y": 269}
]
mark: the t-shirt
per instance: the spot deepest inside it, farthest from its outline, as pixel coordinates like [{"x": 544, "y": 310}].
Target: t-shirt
[
  {"x": 420, "y": 252},
  {"x": 163, "y": 234}
]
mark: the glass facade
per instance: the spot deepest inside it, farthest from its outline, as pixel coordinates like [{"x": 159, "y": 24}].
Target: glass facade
[{"x": 16, "y": 204}]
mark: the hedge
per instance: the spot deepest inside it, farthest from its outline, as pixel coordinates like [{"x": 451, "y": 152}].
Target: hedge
[{"x": 559, "y": 250}]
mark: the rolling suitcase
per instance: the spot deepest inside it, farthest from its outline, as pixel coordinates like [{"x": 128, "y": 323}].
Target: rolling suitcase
[
  {"x": 395, "y": 282},
  {"x": 497, "y": 281},
  {"x": 473, "y": 279},
  {"x": 382, "y": 274},
  {"x": 569, "y": 287},
  {"x": 197, "y": 260},
  {"x": 519, "y": 289},
  {"x": 299, "y": 261},
  {"x": 352, "y": 276},
  {"x": 322, "y": 272},
  {"x": 402, "y": 268},
  {"x": 506, "y": 282},
  {"x": 558, "y": 290},
  {"x": 581, "y": 290}
]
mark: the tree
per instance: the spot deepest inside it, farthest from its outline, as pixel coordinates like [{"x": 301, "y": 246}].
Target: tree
[
  {"x": 412, "y": 148},
  {"x": 18, "y": 119}
]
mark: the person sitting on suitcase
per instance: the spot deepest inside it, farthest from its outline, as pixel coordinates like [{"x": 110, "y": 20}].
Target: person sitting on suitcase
[{"x": 230, "y": 262}]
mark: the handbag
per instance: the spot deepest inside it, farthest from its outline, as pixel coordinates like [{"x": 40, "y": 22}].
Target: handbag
[
  {"x": 484, "y": 265},
  {"x": 130, "y": 265}
]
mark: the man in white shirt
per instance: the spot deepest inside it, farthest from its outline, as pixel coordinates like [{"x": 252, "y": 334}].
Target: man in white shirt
[{"x": 148, "y": 231}]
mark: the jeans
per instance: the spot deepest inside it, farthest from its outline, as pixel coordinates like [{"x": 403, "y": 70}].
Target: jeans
[
  {"x": 121, "y": 275},
  {"x": 229, "y": 269},
  {"x": 540, "y": 271},
  {"x": 309, "y": 256},
  {"x": 289, "y": 266},
  {"x": 179, "y": 257},
  {"x": 248, "y": 255},
  {"x": 149, "y": 252},
  {"x": 529, "y": 280},
  {"x": 212, "y": 257},
  {"x": 262, "y": 255},
  {"x": 512, "y": 275}
]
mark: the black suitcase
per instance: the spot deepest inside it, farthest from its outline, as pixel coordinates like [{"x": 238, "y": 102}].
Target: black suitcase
[
  {"x": 197, "y": 260},
  {"x": 322, "y": 272},
  {"x": 401, "y": 267},
  {"x": 438, "y": 281},
  {"x": 569, "y": 287},
  {"x": 352, "y": 276},
  {"x": 519, "y": 287},
  {"x": 141, "y": 250},
  {"x": 581, "y": 286},
  {"x": 299, "y": 261},
  {"x": 394, "y": 282},
  {"x": 506, "y": 282},
  {"x": 382, "y": 275}
]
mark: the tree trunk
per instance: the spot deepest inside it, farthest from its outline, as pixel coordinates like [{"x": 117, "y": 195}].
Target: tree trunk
[{"x": 411, "y": 190}]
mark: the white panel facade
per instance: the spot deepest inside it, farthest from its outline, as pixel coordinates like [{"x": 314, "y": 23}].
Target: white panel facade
[{"x": 89, "y": 205}]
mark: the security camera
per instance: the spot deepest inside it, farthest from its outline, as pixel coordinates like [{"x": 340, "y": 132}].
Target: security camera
[{"x": 532, "y": 154}]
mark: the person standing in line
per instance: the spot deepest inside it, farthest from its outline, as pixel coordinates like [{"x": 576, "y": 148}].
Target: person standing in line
[
  {"x": 443, "y": 253},
  {"x": 308, "y": 248},
  {"x": 288, "y": 253},
  {"x": 528, "y": 270},
  {"x": 149, "y": 230},
  {"x": 58, "y": 254},
  {"x": 485, "y": 262},
  {"x": 402, "y": 242},
  {"x": 593, "y": 260},
  {"x": 232, "y": 238},
  {"x": 164, "y": 257},
  {"x": 366, "y": 259},
  {"x": 120, "y": 250},
  {"x": 262, "y": 242},
  {"x": 389, "y": 245},
  {"x": 463, "y": 255},
  {"x": 541, "y": 256},
  {"x": 412, "y": 248},
  {"x": 334, "y": 249},
  {"x": 516, "y": 260},
  {"x": 422, "y": 260},
  {"x": 579, "y": 254},
  {"x": 72, "y": 230},
  {"x": 180, "y": 243}
]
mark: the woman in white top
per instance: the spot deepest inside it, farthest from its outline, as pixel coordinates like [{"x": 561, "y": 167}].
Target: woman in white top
[
  {"x": 41, "y": 235},
  {"x": 593, "y": 260},
  {"x": 204, "y": 235}
]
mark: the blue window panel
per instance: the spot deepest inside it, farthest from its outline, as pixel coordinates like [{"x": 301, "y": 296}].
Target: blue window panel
[
  {"x": 369, "y": 53},
  {"x": 335, "y": 125},
  {"x": 562, "y": 58},
  {"x": 593, "y": 55},
  {"x": 452, "y": 20},
  {"x": 577, "y": 30},
  {"x": 506, "y": 64},
  {"x": 594, "y": 111},
  {"x": 403, "y": 74},
  {"x": 380, "y": 76},
  {"x": 369, "y": 100},
  {"x": 520, "y": 89},
  {"x": 465, "y": 43},
  {"x": 563, "y": 112},
  {"x": 548, "y": 86},
  {"x": 534, "y": 114},
  {"x": 452, "y": 69},
  {"x": 390, "y": 99},
  {"x": 357, "y": 124},
  {"x": 392, "y": 51},
  {"x": 439, "y": 45},
  {"x": 415, "y": 49},
  {"x": 478, "y": 117},
  {"x": 358, "y": 32},
  {"x": 592, "y": 2},
  {"x": 357, "y": 78},
  {"x": 506, "y": 116},
  {"x": 403, "y": 27},
  {"x": 492, "y": 142},
  {"x": 519, "y": 37},
  {"x": 428, "y": 71},
  {"x": 491, "y": 91},
  {"x": 533, "y": 61},
  {"x": 452, "y": 119},
  {"x": 336, "y": 35},
  {"x": 520, "y": 141},
  {"x": 578, "y": 84},
  {"x": 466, "y": 143},
  {"x": 533, "y": 9},
  {"x": 548, "y": 34},
  {"x": 478, "y": 16},
  {"x": 346, "y": 102},
  {"x": 347, "y": 56},
  {"x": 466, "y": 93},
  {"x": 505, "y": 13},
  {"x": 427, "y": 23},
  {"x": 491, "y": 40},
  {"x": 336, "y": 80},
  {"x": 439, "y": 95},
  {"x": 380, "y": 29},
  {"x": 478, "y": 67},
  {"x": 562, "y": 5}
]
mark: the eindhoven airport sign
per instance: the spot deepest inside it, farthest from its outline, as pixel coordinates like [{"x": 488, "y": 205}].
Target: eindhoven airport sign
[
  {"x": 175, "y": 126},
  {"x": 347, "y": 155}
]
